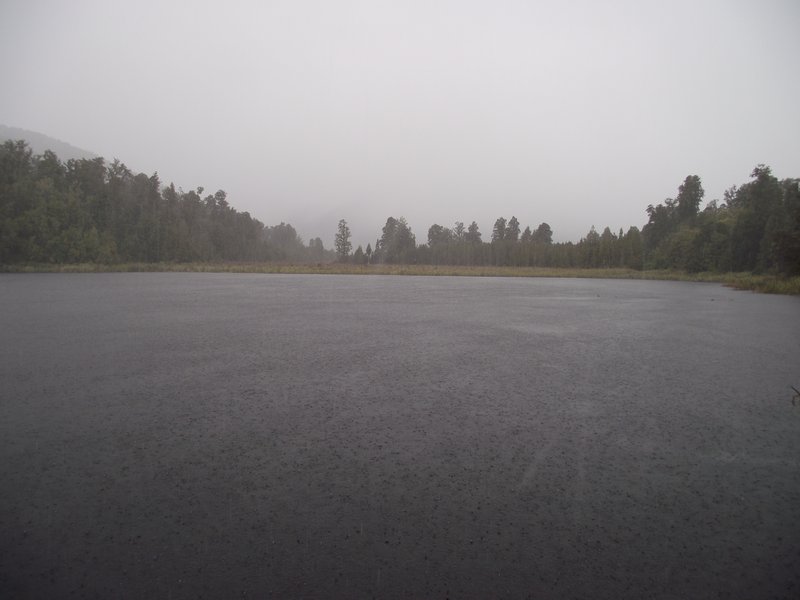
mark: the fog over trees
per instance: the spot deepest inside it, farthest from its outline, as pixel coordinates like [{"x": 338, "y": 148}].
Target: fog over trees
[{"x": 85, "y": 210}]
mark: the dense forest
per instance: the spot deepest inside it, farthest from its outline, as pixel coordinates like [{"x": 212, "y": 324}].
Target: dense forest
[
  {"x": 86, "y": 211},
  {"x": 756, "y": 228}
]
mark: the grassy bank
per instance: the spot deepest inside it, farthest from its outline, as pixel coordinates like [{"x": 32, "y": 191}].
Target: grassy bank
[{"x": 744, "y": 281}]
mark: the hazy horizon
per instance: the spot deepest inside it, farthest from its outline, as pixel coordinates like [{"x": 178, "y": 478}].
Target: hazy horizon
[{"x": 576, "y": 115}]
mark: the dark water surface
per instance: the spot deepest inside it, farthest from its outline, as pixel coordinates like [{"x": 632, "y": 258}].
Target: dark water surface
[{"x": 219, "y": 435}]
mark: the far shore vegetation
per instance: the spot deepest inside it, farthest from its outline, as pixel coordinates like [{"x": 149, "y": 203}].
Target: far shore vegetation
[
  {"x": 89, "y": 216},
  {"x": 770, "y": 284}
]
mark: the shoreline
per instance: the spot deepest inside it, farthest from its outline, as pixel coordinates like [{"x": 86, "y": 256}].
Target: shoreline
[{"x": 769, "y": 284}]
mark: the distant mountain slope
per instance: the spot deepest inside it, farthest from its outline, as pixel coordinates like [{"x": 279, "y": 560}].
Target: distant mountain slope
[{"x": 38, "y": 143}]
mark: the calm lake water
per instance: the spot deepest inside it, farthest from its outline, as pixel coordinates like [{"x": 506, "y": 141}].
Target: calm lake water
[{"x": 221, "y": 435}]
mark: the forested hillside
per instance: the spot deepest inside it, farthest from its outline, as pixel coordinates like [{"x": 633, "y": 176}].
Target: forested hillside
[{"x": 87, "y": 211}]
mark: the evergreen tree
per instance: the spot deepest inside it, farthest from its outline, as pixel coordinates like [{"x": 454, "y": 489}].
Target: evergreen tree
[
  {"x": 690, "y": 194},
  {"x": 543, "y": 234},
  {"x": 397, "y": 243},
  {"x": 512, "y": 230},
  {"x": 499, "y": 230},
  {"x": 342, "y": 241},
  {"x": 473, "y": 235}
]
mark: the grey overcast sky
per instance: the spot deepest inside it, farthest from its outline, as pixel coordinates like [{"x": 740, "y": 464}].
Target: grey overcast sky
[{"x": 573, "y": 113}]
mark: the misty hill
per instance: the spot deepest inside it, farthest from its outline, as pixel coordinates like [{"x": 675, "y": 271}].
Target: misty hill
[{"x": 39, "y": 142}]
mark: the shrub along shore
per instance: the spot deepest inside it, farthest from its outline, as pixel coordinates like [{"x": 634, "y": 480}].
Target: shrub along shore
[{"x": 770, "y": 284}]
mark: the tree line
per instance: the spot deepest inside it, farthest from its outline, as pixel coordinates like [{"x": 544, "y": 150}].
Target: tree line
[
  {"x": 507, "y": 246},
  {"x": 87, "y": 211},
  {"x": 756, "y": 228}
]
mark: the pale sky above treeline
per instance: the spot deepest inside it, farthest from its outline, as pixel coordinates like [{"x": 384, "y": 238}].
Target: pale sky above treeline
[{"x": 573, "y": 113}]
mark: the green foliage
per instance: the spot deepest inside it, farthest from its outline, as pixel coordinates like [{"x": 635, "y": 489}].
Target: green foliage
[
  {"x": 286, "y": 244},
  {"x": 756, "y": 229},
  {"x": 473, "y": 235},
  {"x": 342, "y": 241},
  {"x": 499, "y": 230},
  {"x": 359, "y": 258},
  {"x": 438, "y": 235},
  {"x": 690, "y": 194},
  {"x": 785, "y": 237},
  {"x": 542, "y": 235},
  {"x": 86, "y": 211},
  {"x": 512, "y": 230},
  {"x": 316, "y": 251},
  {"x": 397, "y": 243}
]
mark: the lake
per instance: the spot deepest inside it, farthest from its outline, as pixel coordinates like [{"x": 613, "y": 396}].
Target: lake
[{"x": 220, "y": 435}]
